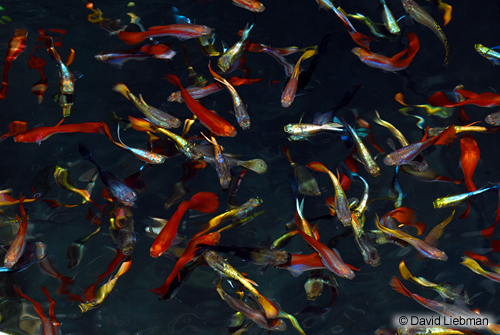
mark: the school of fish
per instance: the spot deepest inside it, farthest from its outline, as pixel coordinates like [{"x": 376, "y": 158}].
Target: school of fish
[{"x": 190, "y": 226}]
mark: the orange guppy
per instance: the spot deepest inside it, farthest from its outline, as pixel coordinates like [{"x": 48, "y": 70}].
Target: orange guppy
[{"x": 280, "y": 195}]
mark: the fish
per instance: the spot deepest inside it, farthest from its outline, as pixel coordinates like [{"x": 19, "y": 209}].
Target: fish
[
  {"x": 222, "y": 267},
  {"x": 288, "y": 94},
  {"x": 147, "y": 51},
  {"x": 424, "y": 248},
  {"x": 366, "y": 158},
  {"x": 493, "y": 119},
  {"x": 330, "y": 258},
  {"x": 16, "y": 248},
  {"x": 116, "y": 186},
  {"x": 184, "y": 146},
  {"x": 407, "y": 154},
  {"x": 17, "y": 45},
  {"x": 210, "y": 120},
  {"x": 445, "y": 290},
  {"x": 254, "y": 315},
  {"x": 257, "y": 256},
  {"x": 205, "y": 202},
  {"x": 240, "y": 110},
  {"x": 183, "y": 31},
  {"x": 251, "y": 5},
  {"x": 341, "y": 203},
  {"x": 201, "y": 92},
  {"x": 395, "y": 63},
  {"x": 239, "y": 212},
  {"x": 188, "y": 255},
  {"x": 469, "y": 159},
  {"x": 229, "y": 58},
  {"x": 256, "y": 165},
  {"x": 39, "y": 134},
  {"x": 220, "y": 163},
  {"x": 453, "y": 200},
  {"x": 390, "y": 22},
  {"x": 360, "y": 39},
  {"x": 424, "y": 18},
  {"x": 144, "y": 155},
  {"x": 488, "y": 53},
  {"x": 155, "y": 116}
]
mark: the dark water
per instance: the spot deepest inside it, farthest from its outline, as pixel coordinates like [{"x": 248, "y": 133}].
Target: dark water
[{"x": 364, "y": 304}]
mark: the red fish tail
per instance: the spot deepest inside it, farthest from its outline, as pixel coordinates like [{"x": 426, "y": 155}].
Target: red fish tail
[
  {"x": 399, "y": 287},
  {"x": 495, "y": 245},
  {"x": 440, "y": 99},
  {"x": 173, "y": 79},
  {"x": 205, "y": 202},
  {"x": 488, "y": 232},
  {"x": 316, "y": 166},
  {"x": 361, "y": 40},
  {"x": 36, "y": 305}
]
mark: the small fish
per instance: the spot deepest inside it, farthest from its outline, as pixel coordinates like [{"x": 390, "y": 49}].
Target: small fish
[
  {"x": 76, "y": 249},
  {"x": 488, "y": 53},
  {"x": 330, "y": 258},
  {"x": 469, "y": 159},
  {"x": 288, "y": 94},
  {"x": 155, "y": 116},
  {"x": 210, "y": 120},
  {"x": 453, "y": 200},
  {"x": 407, "y": 154},
  {"x": 220, "y": 163},
  {"x": 222, "y": 267},
  {"x": 395, "y": 63},
  {"x": 182, "y": 31},
  {"x": 184, "y": 146},
  {"x": 240, "y": 110},
  {"x": 424, "y": 18},
  {"x": 389, "y": 20},
  {"x": 366, "y": 158},
  {"x": 445, "y": 290},
  {"x": 39, "y": 134},
  {"x": 423, "y": 247},
  {"x": 256, "y": 316},
  {"x": 360, "y": 39},
  {"x": 205, "y": 202},
  {"x": 233, "y": 54},
  {"x": 493, "y": 119},
  {"x": 257, "y": 165},
  {"x": 239, "y": 212},
  {"x": 147, "y": 51},
  {"x": 116, "y": 186},
  {"x": 16, "y": 248},
  {"x": 251, "y": 5},
  {"x": 341, "y": 203},
  {"x": 17, "y": 44}
]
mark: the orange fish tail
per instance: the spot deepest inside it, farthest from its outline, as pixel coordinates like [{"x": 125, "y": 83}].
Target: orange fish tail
[{"x": 205, "y": 202}]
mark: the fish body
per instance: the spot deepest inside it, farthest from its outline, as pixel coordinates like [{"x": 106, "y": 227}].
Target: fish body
[
  {"x": 210, "y": 120},
  {"x": 155, "y": 116},
  {"x": 489, "y": 54},
  {"x": 16, "y": 248},
  {"x": 17, "y": 44},
  {"x": 366, "y": 158},
  {"x": 182, "y": 31},
  {"x": 39, "y": 134},
  {"x": 288, "y": 94},
  {"x": 469, "y": 159},
  {"x": 424, "y": 18},
  {"x": 240, "y": 110},
  {"x": 251, "y": 5},
  {"x": 389, "y": 20},
  {"x": 457, "y": 199},
  {"x": 233, "y": 54}
]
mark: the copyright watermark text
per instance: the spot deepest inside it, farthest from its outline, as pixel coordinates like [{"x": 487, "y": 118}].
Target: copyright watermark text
[{"x": 432, "y": 320}]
